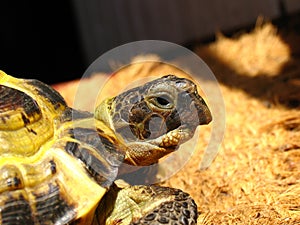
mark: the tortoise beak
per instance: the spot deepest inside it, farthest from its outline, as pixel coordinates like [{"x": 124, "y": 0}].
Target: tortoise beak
[
  {"x": 200, "y": 109},
  {"x": 198, "y": 103},
  {"x": 204, "y": 114}
]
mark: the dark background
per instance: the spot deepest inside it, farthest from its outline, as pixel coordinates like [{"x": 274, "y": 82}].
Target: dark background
[
  {"x": 43, "y": 40},
  {"x": 39, "y": 39}
]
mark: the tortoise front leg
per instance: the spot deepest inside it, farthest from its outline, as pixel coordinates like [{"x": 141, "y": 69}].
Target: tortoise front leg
[{"x": 146, "y": 205}]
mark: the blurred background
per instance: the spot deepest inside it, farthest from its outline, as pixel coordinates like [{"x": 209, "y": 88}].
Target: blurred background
[{"x": 56, "y": 41}]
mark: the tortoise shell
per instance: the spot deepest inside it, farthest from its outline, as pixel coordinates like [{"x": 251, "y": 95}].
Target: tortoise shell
[{"x": 42, "y": 181}]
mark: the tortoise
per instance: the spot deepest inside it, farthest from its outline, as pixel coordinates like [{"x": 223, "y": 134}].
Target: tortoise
[{"x": 58, "y": 165}]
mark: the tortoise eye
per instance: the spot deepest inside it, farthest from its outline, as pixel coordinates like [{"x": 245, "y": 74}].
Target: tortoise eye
[{"x": 163, "y": 101}]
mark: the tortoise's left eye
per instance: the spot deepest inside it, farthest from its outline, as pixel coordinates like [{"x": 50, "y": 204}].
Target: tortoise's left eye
[{"x": 163, "y": 101}]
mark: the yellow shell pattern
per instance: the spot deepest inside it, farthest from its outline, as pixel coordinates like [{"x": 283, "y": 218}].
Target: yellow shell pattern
[{"x": 44, "y": 169}]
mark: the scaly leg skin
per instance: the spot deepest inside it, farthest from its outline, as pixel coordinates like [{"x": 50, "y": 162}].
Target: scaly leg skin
[{"x": 152, "y": 204}]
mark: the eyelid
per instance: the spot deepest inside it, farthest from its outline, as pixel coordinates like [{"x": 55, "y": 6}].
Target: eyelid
[{"x": 163, "y": 95}]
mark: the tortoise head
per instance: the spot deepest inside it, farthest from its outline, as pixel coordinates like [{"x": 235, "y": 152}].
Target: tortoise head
[{"x": 155, "y": 118}]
